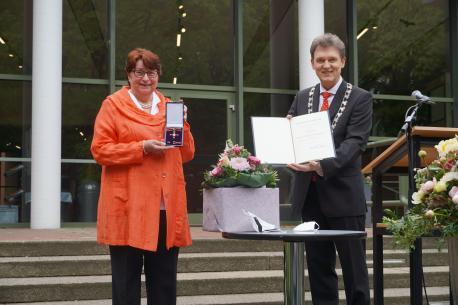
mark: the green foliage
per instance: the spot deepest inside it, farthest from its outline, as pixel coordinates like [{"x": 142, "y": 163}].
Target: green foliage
[
  {"x": 435, "y": 202},
  {"x": 237, "y": 167}
]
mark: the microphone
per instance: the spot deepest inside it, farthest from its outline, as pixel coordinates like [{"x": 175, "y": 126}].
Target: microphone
[{"x": 422, "y": 99}]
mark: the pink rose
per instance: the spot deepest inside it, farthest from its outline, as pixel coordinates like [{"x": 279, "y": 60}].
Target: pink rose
[
  {"x": 453, "y": 192},
  {"x": 236, "y": 149},
  {"x": 455, "y": 199},
  {"x": 449, "y": 164},
  {"x": 253, "y": 160},
  {"x": 428, "y": 186},
  {"x": 216, "y": 171}
]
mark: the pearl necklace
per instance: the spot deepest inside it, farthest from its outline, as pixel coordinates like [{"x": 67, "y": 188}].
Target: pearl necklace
[{"x": 146, "y": 106}]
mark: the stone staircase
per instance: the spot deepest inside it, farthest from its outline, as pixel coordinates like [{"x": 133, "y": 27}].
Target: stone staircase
[{"x": 212, "y": 271}]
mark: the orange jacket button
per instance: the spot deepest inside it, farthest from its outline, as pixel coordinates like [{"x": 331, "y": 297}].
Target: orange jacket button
[{"x": 164, "y": 175}]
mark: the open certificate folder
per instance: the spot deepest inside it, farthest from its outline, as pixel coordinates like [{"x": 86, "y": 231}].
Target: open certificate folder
[{"x": 301, "y": 139}]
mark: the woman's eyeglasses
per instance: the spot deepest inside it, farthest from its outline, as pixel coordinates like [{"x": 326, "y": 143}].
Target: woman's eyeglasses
[{"x": 141, "y": 74}]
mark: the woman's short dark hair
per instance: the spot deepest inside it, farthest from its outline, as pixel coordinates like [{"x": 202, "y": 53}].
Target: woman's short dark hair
[
  {"x": 150, "y": 60},
  {"x": 328, "y": 40}
]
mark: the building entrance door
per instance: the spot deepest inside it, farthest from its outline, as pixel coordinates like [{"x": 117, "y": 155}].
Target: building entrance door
[{"x": 212, "y": 120}]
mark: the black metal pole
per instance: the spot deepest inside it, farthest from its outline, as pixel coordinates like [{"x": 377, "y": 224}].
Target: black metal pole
[
  {"x": 416, "y": 293},
  {"x": 377, "y": 238}
]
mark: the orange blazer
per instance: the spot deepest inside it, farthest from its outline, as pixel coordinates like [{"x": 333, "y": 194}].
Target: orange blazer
[{"x": 132, "y": 182}]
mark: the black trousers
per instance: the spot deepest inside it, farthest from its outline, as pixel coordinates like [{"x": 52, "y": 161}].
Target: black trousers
[
  {"x": 160, "y": 272},
  {"x": 321, "y": 258}
]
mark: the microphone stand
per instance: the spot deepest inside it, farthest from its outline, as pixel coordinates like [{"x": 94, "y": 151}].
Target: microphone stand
[{"x": 416, "y": 272}]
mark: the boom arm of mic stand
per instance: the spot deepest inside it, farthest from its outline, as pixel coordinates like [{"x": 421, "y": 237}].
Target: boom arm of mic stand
[{"x": 410, "y": 119}]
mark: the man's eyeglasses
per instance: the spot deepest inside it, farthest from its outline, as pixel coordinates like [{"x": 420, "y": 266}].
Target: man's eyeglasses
[{"x": 141, "y": 74}]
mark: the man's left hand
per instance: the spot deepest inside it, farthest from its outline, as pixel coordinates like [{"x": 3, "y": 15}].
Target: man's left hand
[{"x": 312, "y": 166}]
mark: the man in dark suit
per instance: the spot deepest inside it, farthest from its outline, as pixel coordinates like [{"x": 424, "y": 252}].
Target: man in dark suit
[{"x": 330, "y": 191}]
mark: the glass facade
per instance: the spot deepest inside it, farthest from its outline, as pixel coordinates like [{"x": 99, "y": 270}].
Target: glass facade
[
  {"x": 404, "y": 46},
  {"x": 191, "y": 51},
  {"x": 401, "y": 46}
]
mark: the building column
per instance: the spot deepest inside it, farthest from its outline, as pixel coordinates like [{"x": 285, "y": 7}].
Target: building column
[
  {"x": 46, "y": 114},
  {"x": 311, "y": 24}
]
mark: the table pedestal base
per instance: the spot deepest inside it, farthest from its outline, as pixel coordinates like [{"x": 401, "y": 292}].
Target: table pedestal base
[{"x": 293, "y": 273}]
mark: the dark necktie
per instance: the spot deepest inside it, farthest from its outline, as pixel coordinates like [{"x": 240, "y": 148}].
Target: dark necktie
[{"x": 325, "y": 105}]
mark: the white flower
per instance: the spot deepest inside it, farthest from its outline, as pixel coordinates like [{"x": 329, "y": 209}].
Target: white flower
[
  {"x": 446, "y": 146},
  {"x": 240, "y": 164},
  {"x": 455, "y": 199},
  {"x": 429, "y": 213},
  {"x": 450, "y": 176},
  {"x": 440, "y": 186},
  {"x": 453, "y": 191},
  {"x": 417, "y": 197},
  {"x": 224, "y": 160}
]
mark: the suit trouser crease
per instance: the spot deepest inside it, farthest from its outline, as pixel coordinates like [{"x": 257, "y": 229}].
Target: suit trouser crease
[{"x": 321, "y": 258}]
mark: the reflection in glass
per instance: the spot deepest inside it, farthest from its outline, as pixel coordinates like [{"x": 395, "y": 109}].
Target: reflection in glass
[
  {"x": 402, "y": 46},
  {"x": 15, "y": 187},
  {"x": 15, "y": 37},
  {"x": 388, "y": 116},
  {"x": 84, "y": 39},
  {"x": 208, "y": 120},
  {"x": 194, "y": 42},
  {"x": 81, "y": 104},
  {"x": 270, "y": 44},
  {"x": 80, "y": 189},
  {"x": 15, "y": 118}
]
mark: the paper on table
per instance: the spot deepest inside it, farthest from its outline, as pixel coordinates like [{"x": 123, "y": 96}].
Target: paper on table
[{"x": 258, "y": 224}]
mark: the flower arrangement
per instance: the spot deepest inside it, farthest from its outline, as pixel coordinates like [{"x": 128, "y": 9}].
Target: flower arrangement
[
  {"x": 237, "y": 167},
  {"x": 435, "y": 203}
]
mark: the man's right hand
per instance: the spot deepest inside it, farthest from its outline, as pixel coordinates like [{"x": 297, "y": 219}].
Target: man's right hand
[{"x": 289, "y": 116}]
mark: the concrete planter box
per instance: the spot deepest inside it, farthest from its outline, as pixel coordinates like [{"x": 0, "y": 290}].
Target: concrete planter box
[{"x": 223, "y": 208}]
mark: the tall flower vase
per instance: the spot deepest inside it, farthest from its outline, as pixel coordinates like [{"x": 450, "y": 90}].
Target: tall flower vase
[{"x": 453, "y": 262}]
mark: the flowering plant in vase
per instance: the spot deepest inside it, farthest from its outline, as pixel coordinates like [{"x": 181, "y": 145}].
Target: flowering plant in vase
[
  {"x": 435, "y": 203},
  {"x": 237, "y": 167}
]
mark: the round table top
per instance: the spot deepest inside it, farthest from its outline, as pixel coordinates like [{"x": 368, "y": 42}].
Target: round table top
[{"x": 295, "y": 236}]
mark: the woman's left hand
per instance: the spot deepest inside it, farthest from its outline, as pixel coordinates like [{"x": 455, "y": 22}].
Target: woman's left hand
[{"x": 185, "y": 110}]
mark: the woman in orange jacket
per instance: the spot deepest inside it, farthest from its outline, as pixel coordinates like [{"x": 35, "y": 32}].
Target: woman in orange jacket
[{"x": 142, "y": 213}]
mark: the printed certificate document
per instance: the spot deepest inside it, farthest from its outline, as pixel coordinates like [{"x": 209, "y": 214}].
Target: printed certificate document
[{"x": 301, "y": 139}]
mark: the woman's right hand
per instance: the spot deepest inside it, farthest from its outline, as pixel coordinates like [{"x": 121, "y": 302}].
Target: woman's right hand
[{"x": 155, "y": 147}]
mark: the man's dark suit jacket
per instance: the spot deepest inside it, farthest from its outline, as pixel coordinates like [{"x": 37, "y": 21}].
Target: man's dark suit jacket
[{"x": 340, "y": 190}]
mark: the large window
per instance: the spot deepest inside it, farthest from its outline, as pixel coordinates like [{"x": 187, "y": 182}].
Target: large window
[
  {"x": 84, "y": 39},
  {"x": 15, "y": 36},
  {"x": 80, "y": 105},
  {"x": 270, "y": 47},
  {"x": 403, "y": 46},
  {"x": 388, "y": 116},
  {"x": 15, "y": 118},
  {"x": 193, "y": 38}
]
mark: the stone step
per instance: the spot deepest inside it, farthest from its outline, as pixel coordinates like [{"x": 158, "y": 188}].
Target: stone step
[
  {"x": 394, "y": 296},
  {"x": 11, "y": 267},
  {"x": 210, "y": 245},
  {"x": 41, "y": 289}
]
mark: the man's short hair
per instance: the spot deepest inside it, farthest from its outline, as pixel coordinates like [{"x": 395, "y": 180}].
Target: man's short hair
[{"x": 328, "y": 40}]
